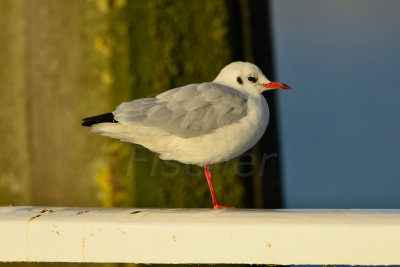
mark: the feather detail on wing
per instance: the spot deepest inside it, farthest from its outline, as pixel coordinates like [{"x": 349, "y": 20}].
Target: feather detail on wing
[{"x": 187, "y": 111}]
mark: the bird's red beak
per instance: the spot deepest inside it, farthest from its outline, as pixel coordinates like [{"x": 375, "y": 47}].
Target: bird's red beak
[{"x": 275, "y": 85}]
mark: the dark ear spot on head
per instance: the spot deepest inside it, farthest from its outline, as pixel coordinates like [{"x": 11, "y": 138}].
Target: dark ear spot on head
[{"x": 239, "y": 80}]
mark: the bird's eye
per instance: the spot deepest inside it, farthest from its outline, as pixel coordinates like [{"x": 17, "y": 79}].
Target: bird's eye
[{"x": 252, "y": 79}]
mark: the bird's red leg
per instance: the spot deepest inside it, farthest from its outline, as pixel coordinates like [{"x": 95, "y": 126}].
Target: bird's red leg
[{"x": 207, "y": 173}]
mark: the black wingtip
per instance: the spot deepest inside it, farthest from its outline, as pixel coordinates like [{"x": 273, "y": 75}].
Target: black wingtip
[{"x": 107, "y": 117}]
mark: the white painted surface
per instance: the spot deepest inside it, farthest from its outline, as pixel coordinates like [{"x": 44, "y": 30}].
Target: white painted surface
[{"x": 367, "y": 237}]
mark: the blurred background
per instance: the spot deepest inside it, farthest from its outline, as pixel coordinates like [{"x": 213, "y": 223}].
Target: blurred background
[
  {"x": 332, "y": 142},
  {"x": 340, "y": 126}
]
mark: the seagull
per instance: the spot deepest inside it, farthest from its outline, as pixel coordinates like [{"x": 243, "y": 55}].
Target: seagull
[{"x": 198, "y": 124}]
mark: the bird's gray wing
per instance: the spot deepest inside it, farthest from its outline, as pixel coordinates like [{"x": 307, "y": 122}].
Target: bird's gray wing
[{"x": 187, "y": 111}]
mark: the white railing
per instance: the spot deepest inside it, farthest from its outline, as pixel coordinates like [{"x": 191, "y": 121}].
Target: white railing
[{"x": 55, "y": 234}]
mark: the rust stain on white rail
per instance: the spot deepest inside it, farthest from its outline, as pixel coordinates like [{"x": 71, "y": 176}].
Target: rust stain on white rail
[{"x": 56, "y": 234}]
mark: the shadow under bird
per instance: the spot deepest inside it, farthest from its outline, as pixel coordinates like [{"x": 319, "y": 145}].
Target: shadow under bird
[{"x": 199, "y": 124}]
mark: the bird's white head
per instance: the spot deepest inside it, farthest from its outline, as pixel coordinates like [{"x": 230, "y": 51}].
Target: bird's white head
[{"x": 247, "y": 77}]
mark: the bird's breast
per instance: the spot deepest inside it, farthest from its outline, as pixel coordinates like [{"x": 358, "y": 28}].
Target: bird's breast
[
  {"x": 232, "y": 141},
  {"x": 257, "y": 120}
]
